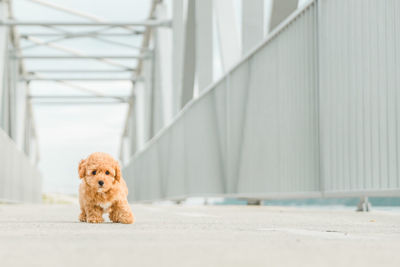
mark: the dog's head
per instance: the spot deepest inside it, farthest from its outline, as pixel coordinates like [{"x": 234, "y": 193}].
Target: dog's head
[{"x": 100, "y": 171}]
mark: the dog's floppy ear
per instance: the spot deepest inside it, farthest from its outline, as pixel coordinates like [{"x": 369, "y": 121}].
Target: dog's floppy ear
[
  {"x": 117, "y": 172},
  {"x": 82, "y": 168}
]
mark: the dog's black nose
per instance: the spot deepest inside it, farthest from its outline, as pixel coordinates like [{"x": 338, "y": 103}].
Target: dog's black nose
[{"x": 101, "y": 183}]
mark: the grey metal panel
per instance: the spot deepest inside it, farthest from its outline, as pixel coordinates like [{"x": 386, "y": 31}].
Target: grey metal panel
[
  {"x": 149, "y": 178},
  {"x": 252, "y": 132},
  {"x": 175, "y": 174},
  {"x": 236, "y": 107},
  {"x": 280, "y": 148},
  {"x": 259, "y": 163},
  {"x": 129, "y": 172},
  {"x": 359, "y": 99},
  {"x": 220, "y": 109},
  {"x": 204, "y": 171},
  {"x": 163, "y": 152},
  {"x": 16, "y": 176},
  {"x": 20, "y": 181}
]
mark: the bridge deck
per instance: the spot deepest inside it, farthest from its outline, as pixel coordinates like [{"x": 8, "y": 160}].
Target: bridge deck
[{"x": 49, "y": 235}]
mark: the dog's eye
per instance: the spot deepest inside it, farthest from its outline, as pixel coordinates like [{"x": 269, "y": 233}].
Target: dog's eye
[
  {"x": 94, "y": 172},
  {"x": 107, "y": 172}
]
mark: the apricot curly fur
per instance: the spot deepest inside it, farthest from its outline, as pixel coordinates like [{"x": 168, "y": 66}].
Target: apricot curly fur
[{"x": 103, "y": 190}]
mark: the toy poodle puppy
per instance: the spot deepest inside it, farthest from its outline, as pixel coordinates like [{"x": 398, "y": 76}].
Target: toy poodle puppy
[{"x": 103, "y": 190}]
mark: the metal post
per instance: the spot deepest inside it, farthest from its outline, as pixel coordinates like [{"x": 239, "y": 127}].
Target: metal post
[
  {"x": 132, "y": 128},
  {"x": 139, "y": 67},
  {"x": 6, "y": 94},
  {"x": 280, "y": 11},
  {"x": 252, "y": 24},
  {"x": 3, "y": 57},
  {"x": 254, "y": 202},
  {"x": 364, "y": 204},
  {"x": 163, "y": 57},
  {"x": 177, "y": 53},
  {"x": 141, "y": 91},
  {"x": 228, "y": 33},
  {"x": 204, "y": 43},
  {"x": 189, "y": 60},
  {"x": 152, "y": 91}
]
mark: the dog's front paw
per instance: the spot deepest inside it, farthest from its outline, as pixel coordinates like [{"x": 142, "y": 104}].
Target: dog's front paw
[
  {"x": 82, "y": 217},
  {"x": 128, "y": 220},
  {"x": 95, "y": 220},
  {"x": 122, "y": 217}
]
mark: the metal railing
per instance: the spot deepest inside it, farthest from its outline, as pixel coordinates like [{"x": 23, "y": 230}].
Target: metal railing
[
  {"x": 311, "y": 112},
  {"x": 20, "y": 180}
]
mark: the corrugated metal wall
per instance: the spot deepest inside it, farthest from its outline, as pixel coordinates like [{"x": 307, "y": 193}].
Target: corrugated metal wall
[
  {"x": 20, "y": 181},
  {"x": 278, "y": 147},
  {"x": 314, "y": 111},
  {"x": 360, "y": 98},
  {"x": 254, "y": 132}
]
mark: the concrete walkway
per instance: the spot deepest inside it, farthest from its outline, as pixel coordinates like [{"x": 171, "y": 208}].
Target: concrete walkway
[{"x": 50, "y": 235}]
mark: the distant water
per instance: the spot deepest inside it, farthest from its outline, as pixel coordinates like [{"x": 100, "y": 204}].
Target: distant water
[{"x": 390, "y": 203}]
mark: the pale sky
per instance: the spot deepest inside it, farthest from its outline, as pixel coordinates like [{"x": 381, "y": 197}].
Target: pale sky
[{"x": 68, "y": 133}]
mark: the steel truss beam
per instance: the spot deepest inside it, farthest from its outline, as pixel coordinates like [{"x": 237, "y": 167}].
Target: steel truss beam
[
  {"x": 75, "y": 52},
  {"x": 79, "y": 87},
  {"x": 146, "y": 23},
  {"x": 98, "y": 79},
  {"x": 56, "y": 103},
  {"x": 84, "y": 34},
  {"x": 79, "y": 71},
  {"x": 126, "y": 97},
  {"x": 62, "y": 38},
  {"x": 82, "y": 57},
  {"x": 75, "y": 12}
]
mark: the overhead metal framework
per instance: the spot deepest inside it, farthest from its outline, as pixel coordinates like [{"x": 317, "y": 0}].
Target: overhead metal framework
[{"x": 101, "y": 28}]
